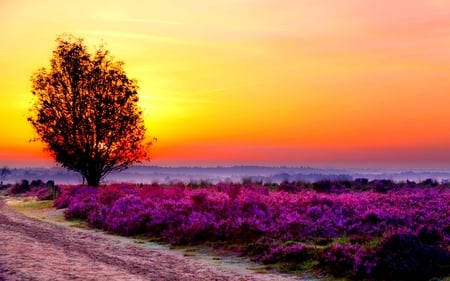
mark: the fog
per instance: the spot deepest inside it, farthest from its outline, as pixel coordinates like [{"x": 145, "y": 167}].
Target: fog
[{"x": 151, "y": 174}]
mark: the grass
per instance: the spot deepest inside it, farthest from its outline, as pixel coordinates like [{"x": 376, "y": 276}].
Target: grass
[
  {"x": 343, "y": 240},
  {"x": 139, "y": 239},
  {"x": 373, "y": 243},
  {"x": 261, "y": 270},
  {"x": 294, "y": 267},
  {"x": 28, "y": 204},
  {"x": 41, "y": 210},
  {"x": 79, "y": 224}
]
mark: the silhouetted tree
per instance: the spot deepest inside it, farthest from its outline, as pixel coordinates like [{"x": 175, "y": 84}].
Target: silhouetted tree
[
  {"x": 4, "y": 174},
  {"x": 85, "y": 110}
]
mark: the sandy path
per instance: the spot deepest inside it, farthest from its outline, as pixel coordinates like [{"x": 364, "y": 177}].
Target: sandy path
[{"x": 31, "y": 249}]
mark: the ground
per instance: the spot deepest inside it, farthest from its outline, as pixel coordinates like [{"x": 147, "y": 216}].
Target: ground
[{"x": 35, "y": 249}]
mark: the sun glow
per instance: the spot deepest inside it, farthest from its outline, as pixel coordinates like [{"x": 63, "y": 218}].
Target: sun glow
[{"x": 237, "y": 82}]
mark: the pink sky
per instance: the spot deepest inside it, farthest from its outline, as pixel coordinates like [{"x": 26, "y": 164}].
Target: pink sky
[{"x": 310, "y": 82}]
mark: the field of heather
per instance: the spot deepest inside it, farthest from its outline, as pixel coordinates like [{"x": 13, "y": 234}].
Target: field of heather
[
  {"x": 350, "y": 229},
  {"x": 342, "y": 229}
]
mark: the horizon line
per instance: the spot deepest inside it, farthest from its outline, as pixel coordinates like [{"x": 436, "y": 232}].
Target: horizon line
[{"x": 246, "y": 166}]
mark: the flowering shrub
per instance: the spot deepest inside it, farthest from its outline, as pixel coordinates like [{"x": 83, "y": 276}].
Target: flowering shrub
[
  {"x": 336, "y": 226},
  {"x": 66, "y": 196},
  {"x": 292, "y": 253},
  {"x": 18, "y": 188},
  {"x": 108, "y": 196},
  {"x": 339, "y": 259},
  {"x": 127, "y": 216},
  {"x": 84, "y": 201},
  {"x": 42, "y": 193},
  {"x": 37, "y": 188},
  {"x": 404, "y": 256}
]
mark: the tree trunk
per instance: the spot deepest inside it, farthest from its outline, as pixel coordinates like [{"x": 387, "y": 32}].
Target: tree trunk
[
  {"x": 93, "y": 178},
  {"x": 93, "y": 181}
]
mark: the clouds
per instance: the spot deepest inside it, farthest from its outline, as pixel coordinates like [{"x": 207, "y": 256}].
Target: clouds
[{"x": 289, "y": 78}]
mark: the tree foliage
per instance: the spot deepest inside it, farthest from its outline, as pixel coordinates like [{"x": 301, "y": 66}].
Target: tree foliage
[{"x": 85, "y": 110}]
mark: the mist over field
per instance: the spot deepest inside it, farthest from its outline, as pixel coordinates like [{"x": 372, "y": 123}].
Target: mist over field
[{"x": 151, "y": 174}]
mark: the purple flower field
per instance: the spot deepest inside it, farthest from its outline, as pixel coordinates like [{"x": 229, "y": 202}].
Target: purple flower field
[{"x": 358, "y": 229}]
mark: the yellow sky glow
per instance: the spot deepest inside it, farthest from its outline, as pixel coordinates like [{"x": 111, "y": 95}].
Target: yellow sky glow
[{"x": 325, "y": 83}]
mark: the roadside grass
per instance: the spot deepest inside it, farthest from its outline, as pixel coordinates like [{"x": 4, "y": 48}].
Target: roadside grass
[
  {"x": 41, "y": 210},
  {"x": 28, "y": 204}
]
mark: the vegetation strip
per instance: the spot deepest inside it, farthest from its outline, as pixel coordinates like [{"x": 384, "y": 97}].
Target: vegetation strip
[{"x": 362, "y": 230}]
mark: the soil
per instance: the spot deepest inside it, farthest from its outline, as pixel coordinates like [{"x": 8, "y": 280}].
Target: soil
[{"x": 34, "y": 249}]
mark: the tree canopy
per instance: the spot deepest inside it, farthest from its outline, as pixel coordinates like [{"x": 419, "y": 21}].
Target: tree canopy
[{"x": 86, "y": 111}]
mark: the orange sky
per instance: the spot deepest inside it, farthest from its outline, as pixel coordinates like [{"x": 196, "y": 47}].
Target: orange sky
[{"x": 302, "y": 82}]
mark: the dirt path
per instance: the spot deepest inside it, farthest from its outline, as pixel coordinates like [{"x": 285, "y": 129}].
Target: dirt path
[{"x": 31, "y": 249}]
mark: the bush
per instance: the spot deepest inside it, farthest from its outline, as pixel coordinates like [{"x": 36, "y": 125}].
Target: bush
[
  {"x": 233, "y": 190},
  {"x": 66, "y": 195},
  {"x": 42, "y": 193},
  {"x": 293, "y": 253},
  {"x": 259, "y": 248},
  {"x": 82, "y": 203},
  {"x": 429, "y": 183},
  {"x": 109, "y": 195},
  {"x": 429, "y": 236},
  {"x": 339, "y": 259},
  {"x": 404, "y": 256},
  {"x": 127, "y": 216},
  {"x": 20, "y": 188},
  {"x": 322, "y": 186},
  {"x": 198, "y": 227},
  {"x": 382, "y": 186},
  {"x": 37, "y": 183}
]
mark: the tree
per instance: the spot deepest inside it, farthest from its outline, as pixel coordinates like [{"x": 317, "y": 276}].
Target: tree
[
  {"x": 85, "y": 111},
  {"x": 4, "y": 174}
]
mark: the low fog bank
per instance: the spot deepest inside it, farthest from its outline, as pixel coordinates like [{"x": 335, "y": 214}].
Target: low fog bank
[{"x": 151, "y": 174}]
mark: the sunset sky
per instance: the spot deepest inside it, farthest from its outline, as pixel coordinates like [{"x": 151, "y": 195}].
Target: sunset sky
[{"x": 325, "y": 83}]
